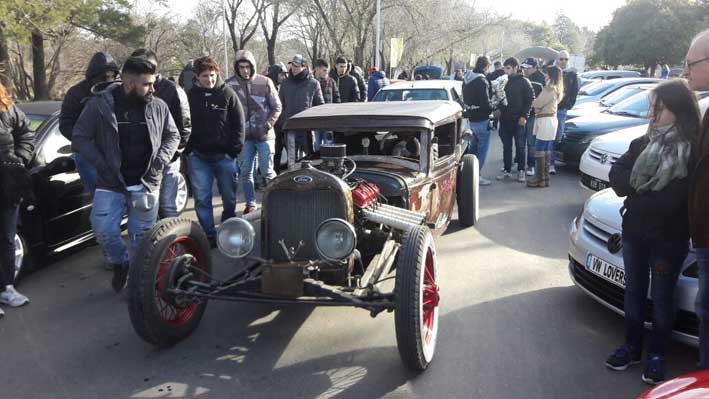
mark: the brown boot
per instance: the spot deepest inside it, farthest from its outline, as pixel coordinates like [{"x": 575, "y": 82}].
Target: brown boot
[
  {"x": 537, "y": 181},
  {"x": 547, "y": 161}
]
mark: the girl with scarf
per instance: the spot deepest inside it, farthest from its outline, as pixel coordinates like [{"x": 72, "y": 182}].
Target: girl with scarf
[{"x": 653, "y": 176}]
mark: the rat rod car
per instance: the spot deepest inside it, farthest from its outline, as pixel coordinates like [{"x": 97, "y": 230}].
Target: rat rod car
[{"x": 336, "y": 229}]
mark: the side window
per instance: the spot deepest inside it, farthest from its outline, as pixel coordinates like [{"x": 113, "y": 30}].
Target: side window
[
  {"x": 55, "y": 145},
  {"x": 446, "y": 139}
]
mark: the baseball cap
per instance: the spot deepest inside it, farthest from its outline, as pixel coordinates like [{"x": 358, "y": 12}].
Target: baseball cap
[
  {"x": 529, "y": 63},
  {"x": 297, "y": 60}
]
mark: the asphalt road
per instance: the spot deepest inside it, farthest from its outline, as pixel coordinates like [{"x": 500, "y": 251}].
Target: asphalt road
[{"x": 512, "y": 326}]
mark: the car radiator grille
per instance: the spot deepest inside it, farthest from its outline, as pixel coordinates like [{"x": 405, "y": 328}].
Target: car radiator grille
[
  {"x": 685, "y": 322},
  {"x": 573, "y": 138},
  {"x": 598, "y": 233},
  {"x": 295, "y": 215},
  {"x": 598, "y": 156}
]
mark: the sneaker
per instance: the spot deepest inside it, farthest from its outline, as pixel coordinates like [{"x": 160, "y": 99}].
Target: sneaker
[
  {"x": 521, "y": 176},
  {"x": 484, "y": 182},
  {"x": 2, "y": 313},
  {"x": 654, "y": 370},
  {"x": 249, "y": 209},
  {"x": 622, "y": 358},
  {"x": 504, "y": 176},
  {"x": 552, "y": 170},
  {"x": 13, "y": 298},
  {"x": 120, "y": 277},
  {"x": 530, "y": 171}
]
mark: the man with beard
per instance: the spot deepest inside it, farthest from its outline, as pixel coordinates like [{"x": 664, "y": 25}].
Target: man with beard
[
  {"x": 129, "y": 137},
  {"x": 176, "y": 100},
  {"x": 299, "y": 92}
]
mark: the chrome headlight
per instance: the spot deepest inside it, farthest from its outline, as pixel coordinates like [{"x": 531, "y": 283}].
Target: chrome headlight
[
  {"x": 335, "y": 239},
  {"x": 236, "y": 238}
]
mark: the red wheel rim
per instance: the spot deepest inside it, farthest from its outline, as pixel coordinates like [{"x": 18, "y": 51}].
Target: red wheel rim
[
  {"x": 168, "y": 312},
  {"x": 431, "y": 298}
]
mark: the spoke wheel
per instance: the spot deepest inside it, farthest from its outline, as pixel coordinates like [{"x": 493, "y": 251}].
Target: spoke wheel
[{"x": 170, "y": 310}]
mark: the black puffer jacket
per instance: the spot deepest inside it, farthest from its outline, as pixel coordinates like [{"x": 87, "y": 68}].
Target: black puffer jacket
[
  {"x": 476, "y": 93},
  {"x": 16, "y": 148},
  {"x": 361, "y": 84},
  {"x": 217, "y": 121},
  {"x": 660, "y": 216},
  {"x": 571, "y": 90},
  {"x": 519, "y": 95},
  {"x": 347, "y": 86},
  {"x": 176, "y": 100}
]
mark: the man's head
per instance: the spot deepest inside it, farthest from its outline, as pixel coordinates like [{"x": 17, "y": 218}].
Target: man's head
[
  {"x": 341, "y": 66},
  {"x": 243, "y": 68},
  {"x": 562, "y": 59},
  {"x": 138, "y": 79},
  {"x": 149, "y": 55},
  {"x": 498, "y": 65},
  {"x": 482, "y": 64},
  {"x": 529, "y": 66},
  {"x": 206, "y": 70},
  {"x": 696, "y": 63},
  {"x": 511, "y": 66},
  {"x": 297, "y": 64},
  {"x": 102, "y": 68},
  {"x": 321, "y": 68}
]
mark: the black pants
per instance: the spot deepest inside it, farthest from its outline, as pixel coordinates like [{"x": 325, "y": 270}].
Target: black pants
[
  {"x": 280, "y": 143},
  {"x": 8, "y": 228}
]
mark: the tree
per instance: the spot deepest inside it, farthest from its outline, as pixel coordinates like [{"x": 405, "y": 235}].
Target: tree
[
  {"x": 243, "y": 19},
  {"x": 568, "y": 34},
  {"x": 275, "y": 14}
]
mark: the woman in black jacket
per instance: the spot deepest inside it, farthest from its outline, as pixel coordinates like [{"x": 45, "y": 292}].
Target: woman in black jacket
[
  {"x": 653, "y": 175},
  {"x": 16, "y": 148}
]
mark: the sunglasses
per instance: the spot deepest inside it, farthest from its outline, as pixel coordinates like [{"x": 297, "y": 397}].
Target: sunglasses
[
  {"x": 563, "y": 59},
  {"x": 689, "y": 65}
]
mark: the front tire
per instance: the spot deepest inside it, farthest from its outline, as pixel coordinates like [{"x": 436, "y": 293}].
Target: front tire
[
  {"x": 23, "y": 260},
  {"x": 416, "y": 299},
  {"x": 157, "y": 316},
  {"x": 182, "y": 194},
  {"x": 468, "y": 192}
]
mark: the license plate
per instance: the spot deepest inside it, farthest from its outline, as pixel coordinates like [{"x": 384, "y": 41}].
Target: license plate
[
  {"x": 605, "y": 270},
  {"x": 597, "y": 184},
  {"x": 559, "y": 156}
]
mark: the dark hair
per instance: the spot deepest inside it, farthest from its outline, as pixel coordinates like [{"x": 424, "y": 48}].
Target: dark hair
[
  {"x": 138, "y": 66},
  {"x": 497, "y": 64},
  {"x": 147, "y": 53},
  {"x": 418, "y": 77},
  {"x": 341, "y": 60},
  {"x": 205, "y": 63},
  {"x": 511, "y": 62},
  {"x": 321, "y": 63},
  {"x": 676, "y": 96},
  {"x": 556, "y": 79},
  {"x": 481, "y": 63}
]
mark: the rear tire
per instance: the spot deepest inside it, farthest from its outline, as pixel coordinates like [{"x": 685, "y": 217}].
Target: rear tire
[
  {"x": 468, "y": 192},
  {"x": 153, "y": 314},
  {"x": 416, "y": 299}
]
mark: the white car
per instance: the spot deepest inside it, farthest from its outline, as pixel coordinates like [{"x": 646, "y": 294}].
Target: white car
[
  {"x": 598, "y": 158},
  {"x": 596, "y": 263},
  {"x": 422, "y": 90}
]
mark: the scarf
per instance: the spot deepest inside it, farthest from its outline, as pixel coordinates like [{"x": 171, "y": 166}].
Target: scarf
[{"x": 664, "y": 159}]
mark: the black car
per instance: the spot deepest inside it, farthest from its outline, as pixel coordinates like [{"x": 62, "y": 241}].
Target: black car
[{"x": 56, "y": 217}]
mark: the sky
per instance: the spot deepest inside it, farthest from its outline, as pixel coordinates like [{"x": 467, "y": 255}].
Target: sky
[{"x": 592, "y": 14}]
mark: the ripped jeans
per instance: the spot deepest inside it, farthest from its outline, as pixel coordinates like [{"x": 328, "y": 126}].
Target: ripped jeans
[
  {"x": 108, "y": 211},
  {"x": 663, "y": 261}
]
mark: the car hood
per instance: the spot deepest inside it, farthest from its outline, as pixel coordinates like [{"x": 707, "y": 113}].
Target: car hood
[
  {"x": 601, "y": 122},
  {"x": 604, "y": 206},
  {"x": 618, "y": 142},
  {"x": 690, "y": 386}
]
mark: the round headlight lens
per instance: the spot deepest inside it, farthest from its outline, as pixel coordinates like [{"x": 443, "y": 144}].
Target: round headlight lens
[
  {"x": 236, "y": 237},
  {"x": 335, "y": 239}
]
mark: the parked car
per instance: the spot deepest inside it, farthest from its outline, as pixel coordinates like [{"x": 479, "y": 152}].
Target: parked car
[
  {"x": 596, "y": 263},
  {"x": 593, "y": 76},
  {"x": 579, "y": 132},
  {"x": 422, "y": 90},
  {"x": 603, "y": 151},
  {"x": 330, "y": 229},
  {"x": 689, "y": 386},
  {"x": 57, "y": 217},
  {"x": 433, "y": 71},
  {"x": 599, "y": 90},
  {"x": 608, "y": 101},
  {"x": 38, "y": 112}
]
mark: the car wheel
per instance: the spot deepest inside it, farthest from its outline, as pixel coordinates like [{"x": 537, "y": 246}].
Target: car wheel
[
  {"x": 416, "y": 299},
  {"x": 23, "y": 260},
  {"x": 182, "y": 194},
  {"x": 176, "y": 249},
  {"x": 468, "y": 191}
]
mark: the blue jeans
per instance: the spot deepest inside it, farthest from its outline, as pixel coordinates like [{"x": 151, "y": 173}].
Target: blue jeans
[
  {"x": 107, "y": 214},
  {"x": 511, "y": 131},
  {"x": 203, "y": 169},
  {"x": 561, "y": 117},
  {"x": 168, "y": 190},
  {"x": 265, "y": 150},
  {"x": 8, "y": 224},
  {"x": 531, "y": 139},
  {"x": 543, "y": 146},
  {"x": 642, "y": 258},
  {"x": 321, "y": 137},
  {"x": 87, "y": 173},
  {"x": 482, "y": 134},
  {"x": 702, "y": 306}
]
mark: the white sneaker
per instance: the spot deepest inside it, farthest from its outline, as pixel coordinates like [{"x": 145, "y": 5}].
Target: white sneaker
[
  {"x": 530, "y": 171},
  {"x": 484, "y": 182},
  {"x": 2, "y": 313},
  {"x": 521, "y": 177},
  {"x": 504, "y": 176},
  {"x": 13, "y": 298},
  {"x": 552, "y": 170}
]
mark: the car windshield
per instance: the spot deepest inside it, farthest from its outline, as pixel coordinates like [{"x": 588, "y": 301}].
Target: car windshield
[
  {"x": 595, "y": 89},
  {"x": 637, "y": 106},
  {"x": 620, "y": 95},
  {"x": 411, "y": 95}
]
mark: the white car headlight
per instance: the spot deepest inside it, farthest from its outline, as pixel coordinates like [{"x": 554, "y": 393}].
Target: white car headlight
[
  {"x": 236, "y": 238},
  {"x": 335, "y": 239}
]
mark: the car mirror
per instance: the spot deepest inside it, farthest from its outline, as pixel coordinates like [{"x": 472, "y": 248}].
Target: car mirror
[{"x": 60, "y": 165}]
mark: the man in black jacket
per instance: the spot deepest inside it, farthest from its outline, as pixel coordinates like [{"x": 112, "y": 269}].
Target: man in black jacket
[
  {"x": 530, "y": 68},
  {"x": 513, "y": 118},
  {"x": 356, "y": 73},
  {"x": 176, "y": 101},
  {"x": 571, "y": 89},
  {"x": 476, "y": 93},
  {"x": 101, "y": 68},
  {"x": 346, "y": 83}
]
